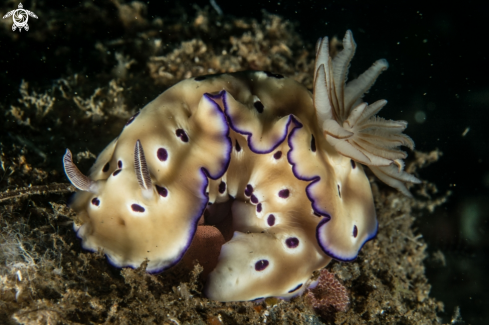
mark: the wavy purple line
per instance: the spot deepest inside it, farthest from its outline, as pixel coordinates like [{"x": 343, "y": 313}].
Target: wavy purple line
[
  {"x": 327, "y": 216},
  {"x": 203, "y": 203},
  {"x": 249, "y": 135}
]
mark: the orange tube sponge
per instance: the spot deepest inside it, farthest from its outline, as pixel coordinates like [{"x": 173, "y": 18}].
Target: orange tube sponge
[{"x": 205, "y": 249}]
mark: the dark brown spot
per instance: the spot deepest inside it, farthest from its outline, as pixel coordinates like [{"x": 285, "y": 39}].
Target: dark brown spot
[
  {"x": 222, "y": 187},
  {"x": 258, "y": 106},
  {"x": 277, "y": 155},
  {"x": 284, "y": 193},
  {"x": 182, "y": 135},
  {"x": 106, "y": 168},
  {"x": 96, "y": 201},
  {"x": 248, "y": 190},
  {"x": 339, "y": 192},
  {"x": 292, "y": 242},
  {"x": 162, "y": 191},
  {"x": 162, "y": 154},
  {"x": 137, "y": 208},
  {"x": 353, "y": 165},
  {"x": 254, "y": 199},
  {"x": 271, "y": 220},
  {"x": 122, "y": 222},
  {"x": 199, "y": 78},
  {"x": 261, "y": 265},
  {"x": 238, "y": 147},
  {"x": 313, "y": 143}
]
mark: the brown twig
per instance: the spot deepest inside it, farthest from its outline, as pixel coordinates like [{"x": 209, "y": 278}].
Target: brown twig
[{"x": 57, "y": 188}]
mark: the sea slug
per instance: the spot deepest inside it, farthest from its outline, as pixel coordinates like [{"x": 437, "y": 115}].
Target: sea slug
[{"x": 284, "y": 162}]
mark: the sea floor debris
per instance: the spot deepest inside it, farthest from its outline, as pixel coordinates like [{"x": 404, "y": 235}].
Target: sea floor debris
[{"x": 46, "y": 278}]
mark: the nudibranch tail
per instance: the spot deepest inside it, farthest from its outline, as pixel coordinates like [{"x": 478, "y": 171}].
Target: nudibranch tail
[{"x": 75, "y": 176}]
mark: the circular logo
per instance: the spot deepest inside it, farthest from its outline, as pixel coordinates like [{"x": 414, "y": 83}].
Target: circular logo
[{"x": 20, "y": 18}]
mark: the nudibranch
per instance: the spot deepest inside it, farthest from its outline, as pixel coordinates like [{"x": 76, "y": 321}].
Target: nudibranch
[{"x": 288, "y": 163}]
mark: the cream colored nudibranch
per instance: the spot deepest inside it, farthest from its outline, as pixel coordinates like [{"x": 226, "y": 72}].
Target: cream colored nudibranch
[{"x": 289, "y": 160}]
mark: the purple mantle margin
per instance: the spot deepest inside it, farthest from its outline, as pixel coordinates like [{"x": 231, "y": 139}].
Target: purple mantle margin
[{"x": 203, "y": 204}]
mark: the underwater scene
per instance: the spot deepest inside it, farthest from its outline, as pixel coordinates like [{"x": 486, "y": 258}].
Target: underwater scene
[{"x": 261, "y": 162}]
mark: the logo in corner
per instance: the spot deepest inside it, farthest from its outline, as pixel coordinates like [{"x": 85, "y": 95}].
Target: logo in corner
[{"x": 20, "y": 17}]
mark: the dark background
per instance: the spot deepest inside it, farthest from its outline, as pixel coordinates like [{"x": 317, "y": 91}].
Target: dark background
[{"x": 437, "y": 81}]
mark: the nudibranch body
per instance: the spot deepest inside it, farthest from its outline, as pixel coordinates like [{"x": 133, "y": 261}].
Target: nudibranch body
[{"x": 288, "y": 161}]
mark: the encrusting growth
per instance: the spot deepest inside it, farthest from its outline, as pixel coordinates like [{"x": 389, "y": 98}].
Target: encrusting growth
[
  {"x": 329, "y": 293},
  {"x": 254, "y": 147}
]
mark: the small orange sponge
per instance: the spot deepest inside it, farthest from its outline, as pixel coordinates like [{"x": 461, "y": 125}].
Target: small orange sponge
[{"x": 205, "y": 248}]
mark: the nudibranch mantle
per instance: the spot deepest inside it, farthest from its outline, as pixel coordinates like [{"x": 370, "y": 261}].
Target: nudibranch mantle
[{"x": 288, "y": 161}]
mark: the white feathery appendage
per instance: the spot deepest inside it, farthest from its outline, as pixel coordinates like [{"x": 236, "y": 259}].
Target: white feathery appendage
[
  {"x": 392, "y": 176},
  {"x": 75, "y": 176},
  {"x": 341, "y": 63},
  {"x": 351, "y": 125},
  {"x": 142, "y": 171},
  {"x": 321, "y": 96},
  {"x": 356, "y": 88}
]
